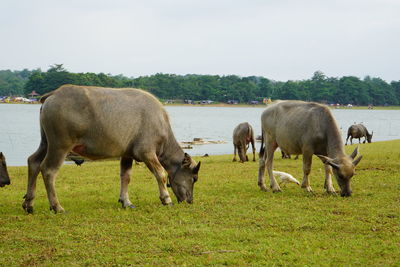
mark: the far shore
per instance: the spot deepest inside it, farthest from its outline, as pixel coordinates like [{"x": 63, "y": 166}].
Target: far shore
[{"x": 225, "y": 105}]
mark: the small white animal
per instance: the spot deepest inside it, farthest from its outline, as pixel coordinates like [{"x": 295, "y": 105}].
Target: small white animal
[{"x": 285, "y": 177}]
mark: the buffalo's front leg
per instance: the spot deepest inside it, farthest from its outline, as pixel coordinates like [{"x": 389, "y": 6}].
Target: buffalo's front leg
[
  {"x": 307, "y": 160},
  {"x": 125, "y": 174},
  {"x": 270, "y": 149},
  {"x": 156, "y": 168},
  {"x": 254, "y": 149},
  {"x": 328, "y": 180}
]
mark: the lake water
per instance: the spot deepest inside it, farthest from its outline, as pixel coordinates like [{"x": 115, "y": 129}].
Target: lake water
[{"x": 20, "y": 135}]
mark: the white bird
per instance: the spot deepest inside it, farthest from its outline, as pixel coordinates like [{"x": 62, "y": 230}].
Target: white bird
[{"x": 285, "y": 177}]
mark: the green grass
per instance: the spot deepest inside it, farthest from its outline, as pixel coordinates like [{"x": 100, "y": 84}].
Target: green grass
[{"x": 231, "y": 221}]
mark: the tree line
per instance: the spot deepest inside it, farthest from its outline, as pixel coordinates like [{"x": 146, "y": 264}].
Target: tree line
[{"x": 319, "y": 88}]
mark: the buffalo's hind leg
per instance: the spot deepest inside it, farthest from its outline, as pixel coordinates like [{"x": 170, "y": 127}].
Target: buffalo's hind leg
[
  {"x": 34, "y": 162},
  {"x": 49, "y": 167},
  {"x": 234, "y": 152},
  {"x": 261, "y": 171},
  {"x": 125, "y": 174}
]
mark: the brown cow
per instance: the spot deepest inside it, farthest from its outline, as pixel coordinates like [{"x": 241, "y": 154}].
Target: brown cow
[
  {"x": 4, "y": 178},
  {"x": 243, "y": 135},
  {"x": 358, "y": 131},
  {"x": 100, "y": 123},
  {"x": 309, "y": 129}
]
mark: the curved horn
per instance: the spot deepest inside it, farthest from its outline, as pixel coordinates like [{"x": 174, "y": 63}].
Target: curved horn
[
  {"x": 196, "y": 169},
  {"x": 329, "y": 161},
  {"x": 356, "y": 161},
  {"x": 354, "y": 154}
]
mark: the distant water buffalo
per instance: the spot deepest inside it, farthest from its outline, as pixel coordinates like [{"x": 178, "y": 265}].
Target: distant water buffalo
[
  {"x": 305, "y": 128},
  {"x": 4, "y": 178},
  {"x": 100, "y": 123},
  {"x": 243, "y": 135},
  {"x": 358, "y": 131}
]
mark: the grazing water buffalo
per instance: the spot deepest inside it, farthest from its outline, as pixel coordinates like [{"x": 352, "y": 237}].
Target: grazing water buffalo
[
  {"x": 99, "y": 123},
  {"x": 305, "y": 128},
  {"x": 4, "y": 178},
  {"x": 358, "y": 131},
  {"x": 243, "y": 135}
]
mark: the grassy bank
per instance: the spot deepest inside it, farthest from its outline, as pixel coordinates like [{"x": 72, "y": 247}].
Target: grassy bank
[{"x": 231, "y": 221}]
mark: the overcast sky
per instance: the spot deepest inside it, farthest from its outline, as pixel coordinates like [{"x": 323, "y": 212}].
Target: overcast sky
[{"x": 278, "y": 39}]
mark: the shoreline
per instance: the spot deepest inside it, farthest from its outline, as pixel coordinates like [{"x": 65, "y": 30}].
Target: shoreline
[{"x": 225, "y": 105}]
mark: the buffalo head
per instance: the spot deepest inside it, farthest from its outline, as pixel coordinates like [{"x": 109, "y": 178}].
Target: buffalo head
[
  {"x": 182, "y": 182},
  {"x": 369, "y": 137},
  {"x": 4, "y": 178},
  {"x": 343, "y": 169}
]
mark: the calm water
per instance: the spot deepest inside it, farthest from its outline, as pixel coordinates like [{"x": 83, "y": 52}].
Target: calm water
[{"x": 20, "y": 135}]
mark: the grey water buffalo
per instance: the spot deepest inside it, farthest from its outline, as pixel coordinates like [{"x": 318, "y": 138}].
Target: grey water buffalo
[
  {"x": 358, "y": 131},
  {"x": 243, "y": 135},
  {"x": 4, "y": 178},
  {"x": 99, "y": 123},
  {"x": 309, "y": 129}
]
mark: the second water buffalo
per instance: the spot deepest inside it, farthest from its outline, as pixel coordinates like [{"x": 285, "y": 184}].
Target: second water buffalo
[
  {"x": 243, "y": 135},
  {"x": 99, "y": 123},
  {"x": 309, "y": 129},
  {"x": 4, "y": 178},
  {"x": 358, "y": 131}
]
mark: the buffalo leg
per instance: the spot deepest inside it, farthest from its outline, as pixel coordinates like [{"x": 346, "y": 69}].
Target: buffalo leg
[
  {"x": 234, "y": 152},
  {"x": 155, "y": 167},
  {"x": 34, "y": 162},
  {"x": 261, "y": 172},
  {"x": 254, "y": 149},
  {"x": 49, "y": 167},
  {"x": 125, "y": 175},
  {"x": 307, "y": 160},
  {"x": 347, "y": 139},
  {"x": 270, "y": 149},
  {"x": 328, "y": 180}
]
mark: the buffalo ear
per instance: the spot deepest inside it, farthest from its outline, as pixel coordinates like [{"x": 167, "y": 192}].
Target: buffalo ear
[
  {"x": 187, "y": 160},
  {"x": 196, "y": 169},
  {"x": 356, "y": 161},
  {"x": 328, "y": 160},
  {"x": 354, "y": 154}
]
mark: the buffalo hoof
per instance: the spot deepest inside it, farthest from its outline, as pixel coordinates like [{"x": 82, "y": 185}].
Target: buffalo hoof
[
  {"x": 28, "y": 209},
  {"x": 263, "y": 187},
  {"x": 234, "y": 160},
  {"x": 276, "y": 190},
  {"x": 127, "y": 205},
  {"x": 307, "y": 188},
  {"x": 331, "y": 191},
  {"x": 166, "y": 200},
  {"x": 57, "y": 209}
]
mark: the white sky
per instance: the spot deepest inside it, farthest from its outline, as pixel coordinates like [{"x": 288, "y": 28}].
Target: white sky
[{"x": 277, "y": 39}]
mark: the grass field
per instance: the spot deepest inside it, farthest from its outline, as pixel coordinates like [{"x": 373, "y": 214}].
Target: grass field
[{"x": 231, "y": 221}]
